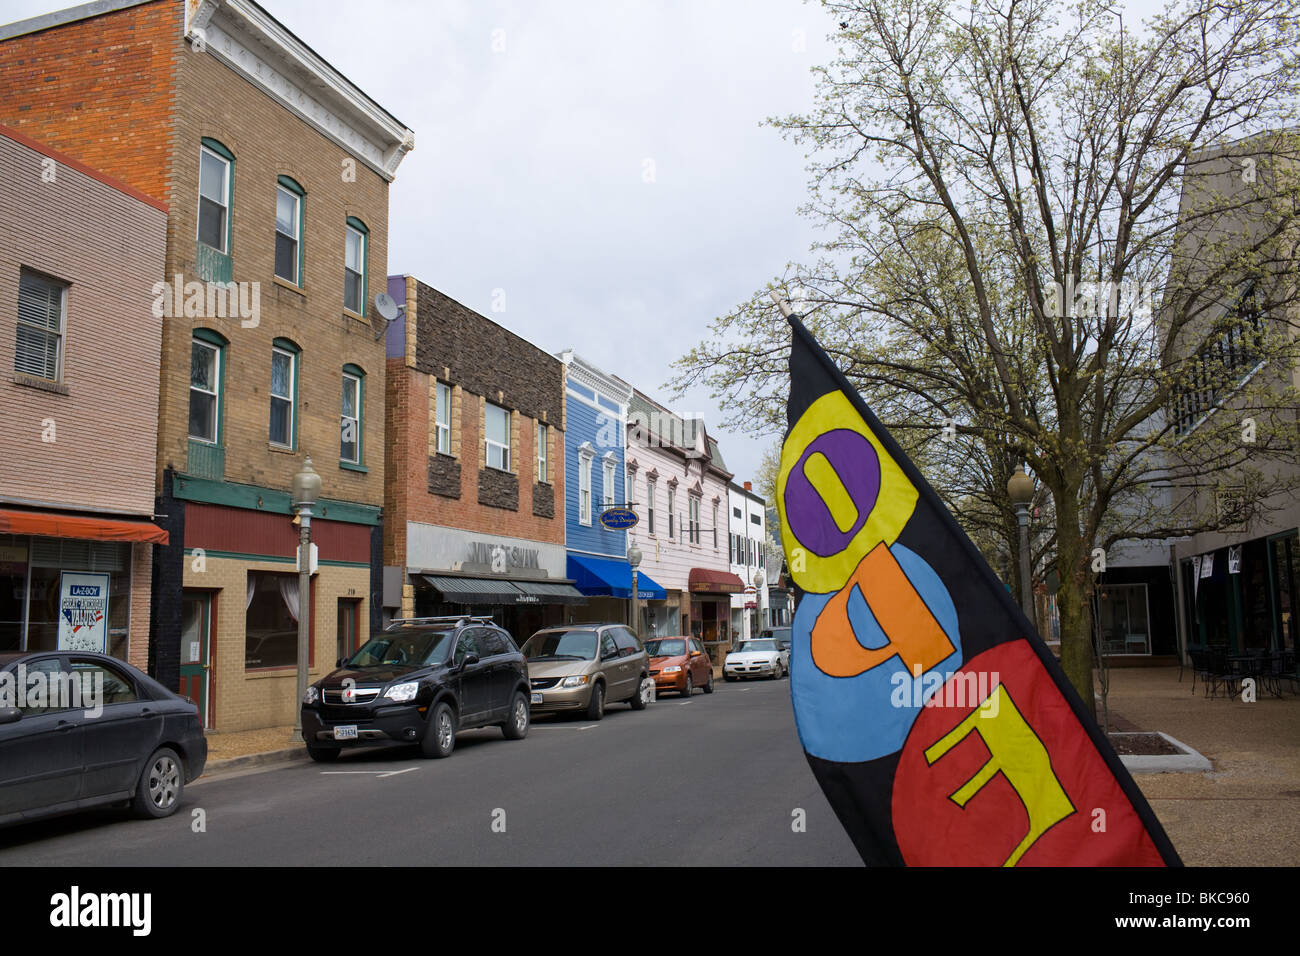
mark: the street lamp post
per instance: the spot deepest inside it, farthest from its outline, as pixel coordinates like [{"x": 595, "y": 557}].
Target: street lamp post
[
  {"x": 634, "y": 559},
  {"x": 759, "y": 580},
  {"x": 306, "y": 487},
  {"x": 1020, "y": 489}
]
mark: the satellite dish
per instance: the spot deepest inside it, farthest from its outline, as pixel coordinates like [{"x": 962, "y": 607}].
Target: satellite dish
[{"x": 386, "y": 306}]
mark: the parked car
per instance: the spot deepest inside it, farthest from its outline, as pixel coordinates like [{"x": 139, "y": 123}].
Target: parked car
[
  {"x": 421, "y": 681},
  {"x": 581, "y": 668},
  {"x": 783, "y": 637},
  {"x": 679, "y": 664},
  {"x": 100, "y": 732},
  {"x": 757, "y": 657}
]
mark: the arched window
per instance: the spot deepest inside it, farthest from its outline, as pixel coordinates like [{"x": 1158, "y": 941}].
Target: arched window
[
  {"x": 285, "y": 356},
  {"x": 216, "y": 194},
  {"x": 356, "y": 253},
  {"x": 352, "y": 419},
  {"x": 290, "y": 201}
]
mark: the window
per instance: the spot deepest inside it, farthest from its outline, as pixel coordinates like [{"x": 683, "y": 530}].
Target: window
[
  {"x": 736, "y": 512},
  {"x": 350, "y": 420},
  {"x": 693, "y": 509},
  {"x": 39, "y": 348},
  {"x": 584, "y": 486},
  {"x": 541, "y": 452},
  {"x": 205, "y": 390},
  {"x": 755, "y": 519},
  {"x": 271, "y": 620},
  {"x": 288, "y": 230},
  {"x": 607, "y": 484},
  {"x": 354, "y": 266},
  {"x": 715, "y": 526},
  {"x": 650, "y": 504},
  {"x": 466, "y": 645},
  {"x": 215, "y": 164},
  {"x": 498, "y": 437},
  {"x": 284, "y": 388},
  {"x": 672, "y": 507},
  {"x": 442, "y": 419},
  {"x": 1232, "y": 351}
]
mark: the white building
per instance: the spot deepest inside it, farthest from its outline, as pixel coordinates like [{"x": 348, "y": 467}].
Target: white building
[{"x": 747, "y": 522}]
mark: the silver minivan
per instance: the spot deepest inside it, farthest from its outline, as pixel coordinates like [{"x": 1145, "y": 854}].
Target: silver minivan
[{"x": 580, "y": 668}]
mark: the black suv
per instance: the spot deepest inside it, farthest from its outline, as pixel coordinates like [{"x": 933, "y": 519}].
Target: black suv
[{"x": 420, "y": 681}]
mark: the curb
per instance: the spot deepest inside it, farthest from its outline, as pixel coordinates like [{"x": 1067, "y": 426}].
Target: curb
[
  {"x": 255, "y": 760},
  {"x": 1189, "y": 761}
]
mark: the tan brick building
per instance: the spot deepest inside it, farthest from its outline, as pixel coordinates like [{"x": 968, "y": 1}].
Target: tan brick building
[
  {"x": 79, "y": 347},
  {"x": 475, "y": 503},
  {"x": 275, "y": 169}
]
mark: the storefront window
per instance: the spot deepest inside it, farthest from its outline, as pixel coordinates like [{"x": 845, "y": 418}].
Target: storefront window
[
  {"x": 1122, "y": 619},
  {"x": 50, "y": 557},
  {"x": 1285, "y": 557},
  {"x": 271, "y": 620}
]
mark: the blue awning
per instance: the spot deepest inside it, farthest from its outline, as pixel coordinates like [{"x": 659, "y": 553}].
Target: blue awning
[{"x": 610, "y": 577}]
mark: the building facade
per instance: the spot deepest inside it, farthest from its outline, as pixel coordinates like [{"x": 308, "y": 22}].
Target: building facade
[
  {"x": 595, "y": 463},
  {"x": 681, "y": 495},
  {"x": 476, "y": 496},
  {"x": 747, "y": 523},
  {"x": 275, "y": 169},
  {"x": 79, "y": 346}
]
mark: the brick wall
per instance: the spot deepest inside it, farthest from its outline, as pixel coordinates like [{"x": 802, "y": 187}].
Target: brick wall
[{"x": 122, "y": 118}]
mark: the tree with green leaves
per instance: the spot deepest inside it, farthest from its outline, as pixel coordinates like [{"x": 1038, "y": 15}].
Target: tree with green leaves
[{"x": 1036, "y": 249}]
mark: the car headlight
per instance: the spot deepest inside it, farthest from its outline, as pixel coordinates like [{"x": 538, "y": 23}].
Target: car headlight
[
  {"x": 403, "y": 692},
  {"x": 671, "y": 670},
  {"x": 574, "y": 681},
  {"x": 311, "y": 696}
]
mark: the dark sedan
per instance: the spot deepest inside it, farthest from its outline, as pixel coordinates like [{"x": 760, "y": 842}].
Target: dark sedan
[{"x": 80, "y": 730}]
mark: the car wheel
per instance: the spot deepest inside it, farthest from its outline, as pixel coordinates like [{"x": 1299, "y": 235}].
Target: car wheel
[
  {"x": 162, "y": 782},
  {"x": 323, "y": 754},
  {"x": 596, "y": 709},
  {"x": 708, "y": 685},
  {"x": 641, "y": 698},
  {"x": 440, "y": 736},
  {"x": 690, "y": 687},
  {"x": 516, "y": 726}
]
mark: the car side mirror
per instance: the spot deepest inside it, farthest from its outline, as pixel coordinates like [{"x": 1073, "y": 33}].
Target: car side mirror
[
  {"x": 470, "y": 660},
  {"x": 9, "y": 715},
  {"x": 340, "y": 662}
]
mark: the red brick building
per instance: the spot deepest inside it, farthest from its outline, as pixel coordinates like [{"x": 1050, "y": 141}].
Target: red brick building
[
  {"x": 474, "y": 511},
  {"x": 275, "y": 169}
]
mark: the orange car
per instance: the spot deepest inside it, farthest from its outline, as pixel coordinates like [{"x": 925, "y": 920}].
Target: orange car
[{"x": 679, "y": 664}]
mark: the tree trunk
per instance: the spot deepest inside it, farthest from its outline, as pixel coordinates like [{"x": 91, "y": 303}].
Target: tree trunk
[{"x": 1074, "y": 599}]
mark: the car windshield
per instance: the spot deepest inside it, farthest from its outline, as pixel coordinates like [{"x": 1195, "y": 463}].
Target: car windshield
[
  {"x": 561, "y": 645},
  {"x": 756, "y": 646},
  {"x": 665, "y": 647},
  {"x": 413, "y": 650}
]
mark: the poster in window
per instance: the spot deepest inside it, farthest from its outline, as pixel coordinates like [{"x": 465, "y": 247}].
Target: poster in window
[{"x": 83, "y": 611}]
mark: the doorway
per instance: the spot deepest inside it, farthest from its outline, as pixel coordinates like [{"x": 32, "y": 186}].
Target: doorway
[{"x": 196, "y": 652}]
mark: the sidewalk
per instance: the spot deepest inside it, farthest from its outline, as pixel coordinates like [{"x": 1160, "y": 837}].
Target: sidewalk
[
  {"x": 1246, "y": 812},
  {"x": 248, "y": 748}
]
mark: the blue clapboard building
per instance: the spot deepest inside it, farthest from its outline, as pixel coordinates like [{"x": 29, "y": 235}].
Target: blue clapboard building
[{"x": 594, "y": 475}]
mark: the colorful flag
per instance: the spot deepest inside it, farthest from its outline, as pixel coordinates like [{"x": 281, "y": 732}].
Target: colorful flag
[{"x": 939, "y": 725}]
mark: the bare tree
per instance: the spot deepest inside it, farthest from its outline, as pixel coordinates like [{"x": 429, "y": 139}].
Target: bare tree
[{"x": 1009, "y": 272}]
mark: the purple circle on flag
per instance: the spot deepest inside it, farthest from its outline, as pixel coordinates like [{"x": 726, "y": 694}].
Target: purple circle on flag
[{"x": 858, "y": 468}]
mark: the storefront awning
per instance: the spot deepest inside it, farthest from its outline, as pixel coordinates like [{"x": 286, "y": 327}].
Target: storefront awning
[
  {"x": 609, "y": 577},
  {"x": 54, "y": 525},
  {"x": 458, "y": 590},
  {"x": 548, "y": 592},
  {"x": 709, "y": 581}
]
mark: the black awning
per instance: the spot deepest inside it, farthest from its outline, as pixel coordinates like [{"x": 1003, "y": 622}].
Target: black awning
[
  {"x": 548, "y": 592},
  {"x": 475, "y": 590}
]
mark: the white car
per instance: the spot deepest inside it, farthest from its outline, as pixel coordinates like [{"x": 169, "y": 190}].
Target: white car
[{"x": 759, "y": 657}]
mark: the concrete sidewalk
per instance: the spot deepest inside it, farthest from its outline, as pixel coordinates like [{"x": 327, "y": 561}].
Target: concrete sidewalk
[
  {"x": 1246, "y": 811},
  {"x": 248, "y": 748}
]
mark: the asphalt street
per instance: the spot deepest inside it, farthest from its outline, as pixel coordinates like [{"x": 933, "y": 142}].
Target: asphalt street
[{"x": 718, "y": 781}]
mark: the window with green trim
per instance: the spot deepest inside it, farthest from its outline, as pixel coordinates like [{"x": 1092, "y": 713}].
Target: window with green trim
[
  {"x": 207, "y": 355},
  {"x": 216, "y": 185},
  {"x": 354, "y": 266},
  {"x": 284, "y": 393},
  {"x": 350, "y": 420},
  {"x": 289, "y": 202}
]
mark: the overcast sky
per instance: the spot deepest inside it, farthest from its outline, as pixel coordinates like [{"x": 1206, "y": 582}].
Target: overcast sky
[{"x": 601, "y": 163}]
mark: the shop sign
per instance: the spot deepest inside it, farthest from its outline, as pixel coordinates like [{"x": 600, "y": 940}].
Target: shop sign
[
  {"x": 1234, "y": 559},
  {"x": 618, "y": 518},
  {"x": 83, "y": 611}
]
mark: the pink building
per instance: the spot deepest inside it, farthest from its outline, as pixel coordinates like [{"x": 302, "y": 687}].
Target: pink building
[
  {"x": 80, "y": 254},
  {"x": 678, "y": 486}
]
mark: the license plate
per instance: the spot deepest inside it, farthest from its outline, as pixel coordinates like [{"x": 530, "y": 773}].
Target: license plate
[
  {"x": 537, "y": 698},
  {"x": 348, "y": 732}
]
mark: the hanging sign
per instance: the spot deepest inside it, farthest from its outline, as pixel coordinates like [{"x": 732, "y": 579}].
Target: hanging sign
[{"x": 1234, "y": 559}]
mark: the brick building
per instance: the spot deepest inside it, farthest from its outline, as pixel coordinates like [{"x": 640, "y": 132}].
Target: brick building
[
  {"x": 275, "y": 169},
  {"x": 475, "y": 498},
  {"x": 79, "y": 346},
  {"x": 674, "y": 473}
]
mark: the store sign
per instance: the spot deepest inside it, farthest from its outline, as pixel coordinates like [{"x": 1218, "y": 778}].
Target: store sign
[
  {"x": 618, "y": 518},
  {"x": 83, "y": 611},
  {"x": 503, "y": 557},
  {"x": 1207, "y": 565},
  {"x": 1234, "y": 559}
]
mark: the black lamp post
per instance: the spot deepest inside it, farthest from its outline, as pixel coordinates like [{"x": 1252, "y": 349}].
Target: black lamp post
[
  {"x": 1020, "y": 489},
  {"x": 306, "y": 488}
]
